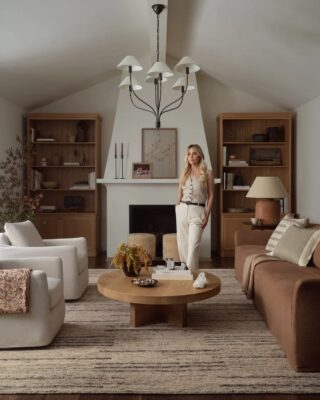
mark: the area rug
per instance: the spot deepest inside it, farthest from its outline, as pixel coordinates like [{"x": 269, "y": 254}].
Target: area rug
[{"x": 226, "y": 348}]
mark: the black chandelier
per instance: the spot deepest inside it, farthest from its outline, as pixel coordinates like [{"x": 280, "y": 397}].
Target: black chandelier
[{"x": 157, "y": 74}]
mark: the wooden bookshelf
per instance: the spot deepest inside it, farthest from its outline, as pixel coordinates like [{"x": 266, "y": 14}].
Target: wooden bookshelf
[
  {"x": 64, "y": 147},
  {"x": 235, "y": 132}
]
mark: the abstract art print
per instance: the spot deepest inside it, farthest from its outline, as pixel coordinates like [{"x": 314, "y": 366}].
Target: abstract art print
[{"x": 159, "y": 148}]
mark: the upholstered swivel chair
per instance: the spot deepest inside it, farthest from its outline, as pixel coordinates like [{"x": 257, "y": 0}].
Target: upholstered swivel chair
[
  {"x": 72, "y": 251},
  {"x": 42, "y": 322}
]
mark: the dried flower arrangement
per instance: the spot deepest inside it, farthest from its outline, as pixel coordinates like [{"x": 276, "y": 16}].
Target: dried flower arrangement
[{"x": 131, "y": 258}]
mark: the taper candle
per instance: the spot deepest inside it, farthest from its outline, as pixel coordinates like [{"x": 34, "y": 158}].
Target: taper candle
[
  {"x": 121, "y": 150},
  {"x": 115, "y": 150}
]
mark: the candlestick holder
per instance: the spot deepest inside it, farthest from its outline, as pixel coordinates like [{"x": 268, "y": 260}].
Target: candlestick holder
[{"x": 122, "y": 177}]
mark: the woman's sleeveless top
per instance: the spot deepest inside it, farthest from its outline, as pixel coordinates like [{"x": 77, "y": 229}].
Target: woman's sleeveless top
[{"x": 193, "y": 191}]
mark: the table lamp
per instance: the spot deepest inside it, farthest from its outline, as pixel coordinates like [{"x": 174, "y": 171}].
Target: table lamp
[{"x": 266, "y": 189}]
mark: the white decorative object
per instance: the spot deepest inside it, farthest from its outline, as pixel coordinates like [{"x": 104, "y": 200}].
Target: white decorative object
[{"x": 201, "y": 282}]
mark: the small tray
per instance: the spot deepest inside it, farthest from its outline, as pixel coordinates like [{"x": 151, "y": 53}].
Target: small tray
[{"x": 144, "y": 282}]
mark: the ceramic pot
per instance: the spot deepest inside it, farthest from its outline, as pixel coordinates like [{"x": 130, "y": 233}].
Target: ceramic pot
[{"x": 130, "y": 271}]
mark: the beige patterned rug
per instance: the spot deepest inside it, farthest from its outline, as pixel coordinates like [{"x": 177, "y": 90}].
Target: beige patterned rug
[{"x": 225, "y": 349}]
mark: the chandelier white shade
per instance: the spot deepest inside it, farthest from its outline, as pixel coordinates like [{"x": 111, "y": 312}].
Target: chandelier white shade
[
  {"x": 130, "y": 61},
  {"x": 187, "y": 62},
  {"x": 125, "y": 83},
  {"x": 160, "y": 68},
  {"x": 181, "y": 84},
  {"x": 157, "y": 74}
]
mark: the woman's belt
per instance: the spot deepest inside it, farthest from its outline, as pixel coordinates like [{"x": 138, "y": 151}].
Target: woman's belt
[{"x": 189, "y": 203}]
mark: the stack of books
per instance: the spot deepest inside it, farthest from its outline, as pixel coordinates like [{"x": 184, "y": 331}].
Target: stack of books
[
  {"x": 45, "y": 139},
  {"x": 81, "y": 185},
  {"x": 236, "y": 162},
  {"x": 92, "y": 180},
  {"x": 172, "y": 274}
]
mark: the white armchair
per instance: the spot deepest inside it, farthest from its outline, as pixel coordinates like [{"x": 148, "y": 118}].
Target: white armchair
[
  {"x": 42, "y": 322},
  {"x": 74, "y": 256}
]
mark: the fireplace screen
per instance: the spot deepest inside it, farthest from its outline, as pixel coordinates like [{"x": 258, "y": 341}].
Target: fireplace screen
[{"x": 156, "y": 219}]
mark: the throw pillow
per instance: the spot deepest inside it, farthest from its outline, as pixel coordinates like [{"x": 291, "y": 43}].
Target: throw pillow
[
  {"x": 283, "y": 225},
  {"x": 23, "y": 234},
  {"x": 4, "y": 240},
  {"x": 297, "y": 245}
]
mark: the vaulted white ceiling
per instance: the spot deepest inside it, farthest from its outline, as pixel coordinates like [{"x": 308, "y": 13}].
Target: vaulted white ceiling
[{"x": 51, "y": 48}]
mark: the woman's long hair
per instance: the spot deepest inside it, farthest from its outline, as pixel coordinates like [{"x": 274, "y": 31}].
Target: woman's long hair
[{"x": 187, "y": 167}]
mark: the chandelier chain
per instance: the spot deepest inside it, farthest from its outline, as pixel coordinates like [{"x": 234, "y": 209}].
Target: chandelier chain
[{"x": 158, "y": 37}]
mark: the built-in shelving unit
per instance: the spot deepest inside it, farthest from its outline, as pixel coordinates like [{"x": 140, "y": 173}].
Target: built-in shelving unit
[
  {"x": 235, "y": 133},
  {"x": 53, "y": 141}
]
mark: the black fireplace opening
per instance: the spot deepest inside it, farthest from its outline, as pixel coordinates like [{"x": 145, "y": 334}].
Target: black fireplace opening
[{"x": 156, "y": 219}]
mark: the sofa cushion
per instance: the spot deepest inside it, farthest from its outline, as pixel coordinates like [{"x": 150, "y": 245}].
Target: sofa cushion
[
  {"x": 4, "y": 240},
  {"x": 297, "y": 245},
  {"x": 283, "y": 225},
  {"x": 55, "y": 290},
  {"x": 23, "y": 234}
]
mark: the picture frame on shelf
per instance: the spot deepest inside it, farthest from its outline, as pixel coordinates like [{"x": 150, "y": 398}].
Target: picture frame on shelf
[
  {"x": 159, "y": 148},
  {"x": 265, "y": 156},
  {"x": 141, "y": 170}
]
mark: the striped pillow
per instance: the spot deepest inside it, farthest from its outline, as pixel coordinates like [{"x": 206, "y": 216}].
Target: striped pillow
[{"x": 283, "y": 225}]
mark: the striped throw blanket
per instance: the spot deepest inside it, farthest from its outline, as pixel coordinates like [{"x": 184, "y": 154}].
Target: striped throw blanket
[{"x": 14, "y": 290}]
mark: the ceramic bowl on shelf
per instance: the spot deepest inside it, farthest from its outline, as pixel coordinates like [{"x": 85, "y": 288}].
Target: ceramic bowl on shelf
[{"x": 49, "y": 184}]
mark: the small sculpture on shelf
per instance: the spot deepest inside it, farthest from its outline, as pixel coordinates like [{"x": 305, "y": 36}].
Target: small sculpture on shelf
[{"x": 82, "y": 131}]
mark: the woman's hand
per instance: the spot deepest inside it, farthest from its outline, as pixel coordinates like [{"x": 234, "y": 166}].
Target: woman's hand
[{"x": 204, "y": 221}]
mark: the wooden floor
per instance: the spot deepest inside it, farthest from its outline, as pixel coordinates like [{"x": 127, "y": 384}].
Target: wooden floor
[{"x": 102, "y": 262}]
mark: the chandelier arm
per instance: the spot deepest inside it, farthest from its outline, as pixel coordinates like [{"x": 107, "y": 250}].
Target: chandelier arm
[
  {"x": 164, "y": 110},
  {"x": 173, "y": 108},
  {"x": 140, "y": 108},
  {"x": 145, "y": 103}
]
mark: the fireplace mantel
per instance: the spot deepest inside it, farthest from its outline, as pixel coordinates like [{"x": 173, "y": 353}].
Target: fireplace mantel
[{"x": 137, "y": 181}]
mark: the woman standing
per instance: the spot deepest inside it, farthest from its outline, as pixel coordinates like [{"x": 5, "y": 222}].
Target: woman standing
[{"x": 195, "y": 200}]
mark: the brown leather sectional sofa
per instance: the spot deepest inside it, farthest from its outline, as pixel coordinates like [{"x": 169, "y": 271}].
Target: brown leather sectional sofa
[{"x": 288, "y": 298}]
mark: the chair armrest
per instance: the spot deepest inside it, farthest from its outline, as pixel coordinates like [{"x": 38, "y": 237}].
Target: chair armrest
[
  {"x": 80, "y": 243},
  {"x": 52, "y": 266},
  {"x": 68, "y": 255},
  {"x": 306, "y": 322},
  {"x": 256, "y": 237}
]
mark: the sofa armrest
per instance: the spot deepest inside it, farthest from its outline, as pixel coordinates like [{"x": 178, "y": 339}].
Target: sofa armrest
[
  {"x": 256, "y": 237},
  {"x": 306, "y": 323},
  {"x": 52, "y": 266}
]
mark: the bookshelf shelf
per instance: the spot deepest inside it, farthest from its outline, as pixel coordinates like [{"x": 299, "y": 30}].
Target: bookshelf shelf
[{"x": 235, "y": 132}]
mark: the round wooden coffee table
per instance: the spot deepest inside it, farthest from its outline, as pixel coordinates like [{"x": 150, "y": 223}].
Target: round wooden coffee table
[{"x": 167, "y": 301}]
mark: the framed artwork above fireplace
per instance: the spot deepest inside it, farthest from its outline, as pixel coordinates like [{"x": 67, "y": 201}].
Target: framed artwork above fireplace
[{"x": 159, "y": 148}]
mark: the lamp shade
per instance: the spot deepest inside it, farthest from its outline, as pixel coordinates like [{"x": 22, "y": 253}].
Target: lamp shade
[
  {"x": 182, "y": 83},
  {"x": 160, "y": 68},
  {"x": 150, "y": 79},
  {"x": 125, "y": 83},
  {"x": 187, "y": 62},
  {"x": 129, "y": 61},
  {"x": 267, "y": 187}
]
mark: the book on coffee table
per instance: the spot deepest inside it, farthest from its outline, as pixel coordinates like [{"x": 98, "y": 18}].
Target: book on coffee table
[{"x": 173, "y": 274}]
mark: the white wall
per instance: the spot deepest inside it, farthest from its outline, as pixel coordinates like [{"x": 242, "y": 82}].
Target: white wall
[
  {"x": 308, "y": 160},
  {"x": 11, "y": 125}
]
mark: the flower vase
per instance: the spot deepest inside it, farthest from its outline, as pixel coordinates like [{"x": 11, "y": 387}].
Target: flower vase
[{"x": 130, "y": 271}]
